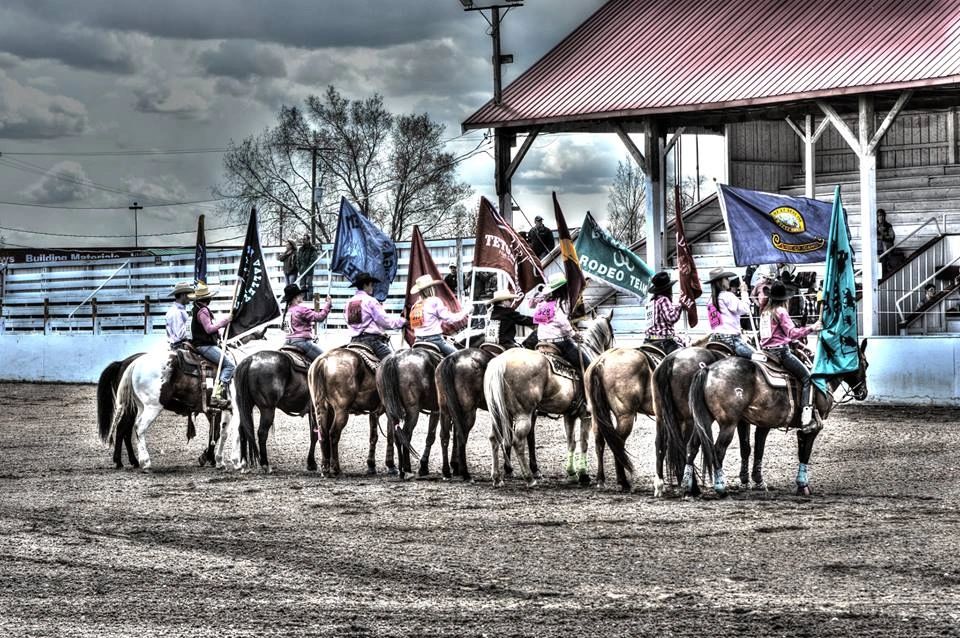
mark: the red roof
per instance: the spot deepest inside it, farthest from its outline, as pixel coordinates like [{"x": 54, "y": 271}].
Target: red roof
[{"x": 641, "y": 57}]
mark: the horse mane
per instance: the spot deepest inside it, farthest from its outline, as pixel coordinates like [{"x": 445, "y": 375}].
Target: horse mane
[{"x": 598, "y": 335}]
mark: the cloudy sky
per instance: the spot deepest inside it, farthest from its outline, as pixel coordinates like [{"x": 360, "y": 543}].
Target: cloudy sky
[{"x": 87, "y": 87}]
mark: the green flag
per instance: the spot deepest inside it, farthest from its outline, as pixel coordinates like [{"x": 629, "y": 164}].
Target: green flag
[
  {"x": 837, "y": 350},
  {"x": 605, "y": 259}
]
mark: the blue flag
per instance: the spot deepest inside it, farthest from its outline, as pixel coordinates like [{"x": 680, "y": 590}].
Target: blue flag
[
  {"x": 837, "y": 349},
  {"x": 362, "y": 247},
  {"x": 770, "y": 229}
]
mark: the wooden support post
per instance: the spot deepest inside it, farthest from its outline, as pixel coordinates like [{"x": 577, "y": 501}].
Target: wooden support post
[
  {"x": 46, "y": 315},
  {"x": 502, "y": 143},
  {"x": 146, "y": 315},
  {"x": 868, "y": 217},
  {"x": 952, "y": 136},
  {"x": 809, "y": 165},
  {"x": 653, "y": 180}
]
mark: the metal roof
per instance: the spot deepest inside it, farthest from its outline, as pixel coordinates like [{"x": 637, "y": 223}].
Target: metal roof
[{"x": 643, "y": 57}]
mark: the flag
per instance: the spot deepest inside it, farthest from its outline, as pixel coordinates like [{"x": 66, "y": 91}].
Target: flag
[
  {"x": 770, "y": 229},
  {"x": 500, "y": 249},
  {"x": 362, "y": 247},
  {"x": 837, "y": 349},
  {"x": 606, "y": 259},
  {"x": 571, "y": 265},
  {"x": 690, "y": 287},
  {"x": 254, "y": 303},
  {"x": 421, "y": 263},
  {"x": 200, "y": 256}
]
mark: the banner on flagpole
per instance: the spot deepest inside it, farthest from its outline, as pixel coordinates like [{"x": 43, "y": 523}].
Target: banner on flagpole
[
  {"x": 254, "y": 304},
  {"x": 499, "y": 248},
  {"x": 362, "y": 247},
  {"x": 768, "y": 229},
  {"x": 571, "y": 264},
  {"x": 605, "y": 259},
  {"x": 200, "y": 255},
  {"x": 421, "y": 263},
  {"x": 690, "y": 287}
]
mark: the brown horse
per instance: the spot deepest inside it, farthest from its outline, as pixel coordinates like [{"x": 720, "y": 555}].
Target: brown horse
[
  {"x": 342, "y": 382},
  {"x": 459, "y": 380},
  {"x": 518, "y": 384},
  {"x": 734, "y": 390}
]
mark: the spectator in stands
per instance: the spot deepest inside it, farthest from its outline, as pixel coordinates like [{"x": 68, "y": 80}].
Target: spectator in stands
[
  {"x": 451, "y": 280},
  {"x": 886, "y": 237},
  {"x": 540, "y": 237},
  {"x": 289, "y": 259},
  {"x": 205, "y": 337},
  {"x": 177, "y": 317},
  {"x": 306, "y": 258},
  {"x": 929, "y": 293},
  {"x": 811, "y": 305},
  {"x": 302, "y": 320}
]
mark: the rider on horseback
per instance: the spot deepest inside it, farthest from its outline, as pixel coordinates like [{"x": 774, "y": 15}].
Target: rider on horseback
[
  {"x": 725, "y": 310},
  {"x": 503, "y": 322},
  {"x": 366, "y": 318},
  {"x": 302, "y": 319},
  {"x": 177, "y": 317},
  {"x": 205, "y": 340},
  {"x": 662, "y": 314},
  {"x": 428, "y": 314},
  {"x": 777, "y": 331},
  {"x": 554, "y": 327}
]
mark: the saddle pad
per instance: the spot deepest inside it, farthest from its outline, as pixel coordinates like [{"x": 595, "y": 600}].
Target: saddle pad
[
  {"x": 297, "y": 358},
  {"x": 548, "y": 349},
  {"x": 774, "y": 373},
  {"x": 719, "y": 346},
  {"x": 493, "y": 348},
  {"x": 189, "y": 363},
  {"x": 366, "y": 354},
  {"x": 563, "y": 369}
]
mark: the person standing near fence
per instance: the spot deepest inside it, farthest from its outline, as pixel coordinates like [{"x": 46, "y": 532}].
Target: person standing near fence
[
  {"x": 177, "y": 317},
  {"x": 289, "y": 260},
  {"x": 306, "y": 258}
]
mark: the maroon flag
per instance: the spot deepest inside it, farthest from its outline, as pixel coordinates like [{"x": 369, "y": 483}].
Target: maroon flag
[
  {"x": 690, "y": 287},
  {"x": 421, "y": 263},
  {"x": 571, "y": 264},
  {"x": 499, "y": 248}
]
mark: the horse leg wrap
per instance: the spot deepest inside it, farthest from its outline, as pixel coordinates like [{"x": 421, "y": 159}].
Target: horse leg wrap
[
  {"x": 719, "y": 480},
  {"x": 581, "y": 463},
  {"x": 687, "y": 482},
  {"x": 570, "y": 465},
  {"x": 802, "y": 477}
]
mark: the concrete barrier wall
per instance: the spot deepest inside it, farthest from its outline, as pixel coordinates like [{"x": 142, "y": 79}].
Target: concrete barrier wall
[{"x": 913, "y": 370}]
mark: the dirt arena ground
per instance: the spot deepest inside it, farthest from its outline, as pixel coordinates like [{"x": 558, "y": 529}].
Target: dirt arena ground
[{"x": 88, "y": 550}]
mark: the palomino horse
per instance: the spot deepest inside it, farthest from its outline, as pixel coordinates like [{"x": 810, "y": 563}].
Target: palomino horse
[
  {"x": 518, "y": 384},
  {"x": 735, "y": 389},
  {"x": 343, "y": 382},
  {"x": 271, "y": 380},
  {"x": 106, "y": 394},
  {"x": 153, "y": 383},
  {"x": 459, "y": 380}
]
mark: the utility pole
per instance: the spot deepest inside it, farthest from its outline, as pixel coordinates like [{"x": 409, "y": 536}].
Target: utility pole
[
  {"x": 136, "y": 230},
  {"x": 494, "y": 21},
  {"x": 314, "y": 204}
]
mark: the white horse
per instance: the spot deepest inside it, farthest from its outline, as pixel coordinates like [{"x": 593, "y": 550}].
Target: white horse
[{"x": 139, "y": 393}]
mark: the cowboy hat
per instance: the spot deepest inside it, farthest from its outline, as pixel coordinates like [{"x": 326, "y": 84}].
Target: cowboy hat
[
  {"x": 768, "y": 271},
  {"x": 423, "y": 282},
  {"x": 202, "y": 292},
  {"x": 503, "y": 295},
  {"x": 719, "y": 273},
  {"x": 290, "y": 292},
  {"x": 557, "y": 280},
  {"x": 661, "y": 282},
  {"x": 184, "y": 287},
  {"x": 363, "y": 279},
  {"x": 778, "y": 292}
]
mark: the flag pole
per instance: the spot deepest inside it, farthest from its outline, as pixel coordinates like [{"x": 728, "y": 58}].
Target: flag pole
[{"x": 226, "y": 329}]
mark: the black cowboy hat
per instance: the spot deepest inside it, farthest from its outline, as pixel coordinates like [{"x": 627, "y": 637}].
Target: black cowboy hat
[
  {"x": 778, "y": 292},
  {"x": 719, "y": 273},
  {"x": 661, "y": 282},
  {"x": 290, "y": 292},
  {"x": 363, "y": 279}
]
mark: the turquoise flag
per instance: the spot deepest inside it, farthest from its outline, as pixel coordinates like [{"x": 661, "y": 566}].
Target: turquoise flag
[
  {"x": 605, "y": 259},
  {"x": 837, "y": 350}
]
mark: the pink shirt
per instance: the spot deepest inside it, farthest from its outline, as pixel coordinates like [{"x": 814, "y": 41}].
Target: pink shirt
[
  {"x": 435, "y": 312},
  {"x": 302, "y": 319},
  {"x": 365, "y": 315},
  {"x": 552, "y": 322},
  {"x": 777, "y": 329},
  {"x": 205, "y": 317},
  {"x": 730, "y": 310}
]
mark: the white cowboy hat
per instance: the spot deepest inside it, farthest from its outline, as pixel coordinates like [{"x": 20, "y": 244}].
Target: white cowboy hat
[
  {"x": 423, "y": 282},
  {"x": 719, "y": 273},
  {"x": 557, "y": 280},
  {"x": 503, "y": 295},
  {"x": 182, "y": 287},
  {"x": 202, "y": 292}
]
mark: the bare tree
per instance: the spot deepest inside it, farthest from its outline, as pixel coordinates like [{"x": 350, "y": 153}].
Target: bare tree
[
  {"x": 627, "y": 205},
  {"x": 393, "y": 168},
  {"x": 688, "y": 194}
]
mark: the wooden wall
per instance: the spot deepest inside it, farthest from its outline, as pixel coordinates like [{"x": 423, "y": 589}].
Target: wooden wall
[{"x": 763, "y": 154}]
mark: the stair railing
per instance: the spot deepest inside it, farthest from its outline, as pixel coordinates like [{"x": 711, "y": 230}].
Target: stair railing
[
  {"x": 922, "y": 284},
  {"x": 934, "y": 219}
]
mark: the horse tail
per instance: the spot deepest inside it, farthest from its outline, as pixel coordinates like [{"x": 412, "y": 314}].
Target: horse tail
[
  {"x": 106, "y": 397},
  {"x": 702, "y": 420},
  {"x": 318, "y": 387},
  {"x": 243, "y": 396},
  {"x": 601, "y": 409},
  {"x": 668, "y": 425},
  {"x": 389, "y": 386},
  {"x": 447, "y": 388},
  {"x": 493, "y": 391},
  {"x": 125, "y": 401}
]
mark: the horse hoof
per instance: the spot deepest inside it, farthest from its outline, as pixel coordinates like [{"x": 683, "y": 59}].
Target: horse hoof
[
  {"x": 532, "y": 483},
  {"x": 267, "y": 469},
  {"x": 601, "y": 485},
  {"x": 311, "y": 467},
  {"x": 804, "y": 490},
  {"x": 583, "y": 478},
  {"x": 760, "y": 487},
  {"x": 498, "y": 483},
  {"x": 202, "y": 459},
  {"x": 537, "y": 474},
  {"x": 424, "y": 471},
  {"x": 625, "y": 488},
  {"x": 721, "y": 493},
  {"x": 392, "y": 471},
  {"x": 371, "y": 471},
  {"x": 118, "y": 466}
]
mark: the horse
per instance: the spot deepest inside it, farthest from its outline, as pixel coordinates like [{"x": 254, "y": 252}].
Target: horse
[
  {"x": 459, "y": 381},
  {"x": 343, "y": 382},
  {"x": 270, "y": 380},
  {"x": 106, "y": 395},
  {"x": 735, "y": 389},
  {"x": 407, "y": 385},
  {"x": 150, "y": 384},
  {"x": 521, "y": 383}
]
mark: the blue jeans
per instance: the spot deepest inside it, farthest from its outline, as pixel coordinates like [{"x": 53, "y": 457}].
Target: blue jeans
[
  {"x": 445, "y": 346},
  {"x": 212, "y": 354},
  {"x": 290, "y": 279},
  {"x": 306, "y": 285},
  {"x": 734, "y": 341},
  {"x": 380, "y": 346},
  {"x": 307, "y": 347},
  {"x": 794, "y": 366}
]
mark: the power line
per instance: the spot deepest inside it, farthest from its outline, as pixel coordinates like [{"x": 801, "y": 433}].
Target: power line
[
  {"x": 48, "y": 206},
  {"x": 179, "y": 232}
]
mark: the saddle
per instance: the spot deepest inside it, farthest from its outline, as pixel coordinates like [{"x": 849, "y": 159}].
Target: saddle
[
  {"x": 492, "y": 348},
  {"x": 654, "y": 354},
  {"x": 297, "y": 358},
  {"x": 773, "y": 371},
  {"x": 191, "y": 363},
  {"x": 366, "y": 354},
  {"x": 186, "y": 361},
  {"x": 430, "y": 348},
  {"x": 721, "y": 347}
]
